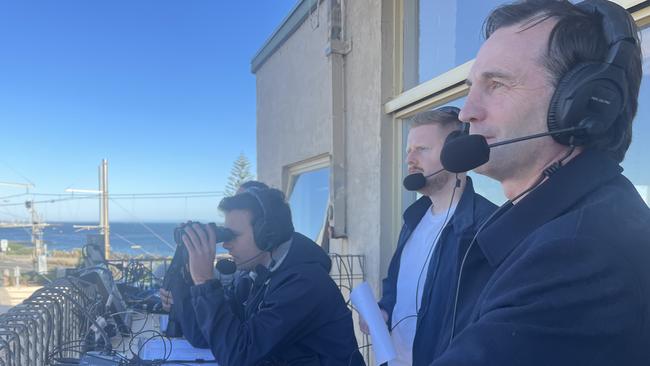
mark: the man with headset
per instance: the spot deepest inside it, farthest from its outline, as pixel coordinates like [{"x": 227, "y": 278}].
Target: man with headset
[
  {"x": 559, "y": 275},
  {"x": 294, "y": 313},
  {"x": 176, "y": 300},
  {"x": 444, "y": 219}
]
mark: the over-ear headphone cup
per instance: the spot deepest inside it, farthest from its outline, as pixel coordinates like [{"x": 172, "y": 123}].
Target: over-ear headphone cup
[
  {"x": 590, "y": 91},
  {"x": 561, "y": 102},
  {"x": 260, "y": 234}
]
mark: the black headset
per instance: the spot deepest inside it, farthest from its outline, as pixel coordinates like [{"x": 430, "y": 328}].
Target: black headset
[
  {"x": 266, "y": 237},
  {"x": 591, "y": 96}
]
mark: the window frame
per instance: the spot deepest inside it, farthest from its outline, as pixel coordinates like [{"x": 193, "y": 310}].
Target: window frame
[{"x": 290, "y": 176}]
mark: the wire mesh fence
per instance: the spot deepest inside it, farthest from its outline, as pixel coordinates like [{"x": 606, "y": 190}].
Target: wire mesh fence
[{"x": 48, "y": 323}]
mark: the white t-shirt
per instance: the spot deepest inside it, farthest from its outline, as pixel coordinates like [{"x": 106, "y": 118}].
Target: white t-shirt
[{"x": 416, "y": 255}]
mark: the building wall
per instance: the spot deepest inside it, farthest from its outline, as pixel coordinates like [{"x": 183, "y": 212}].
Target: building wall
[
  {"x": 293, "y": 98},
  {"x": 294, "y": 104},
  {"x": 364, "y": 113}
]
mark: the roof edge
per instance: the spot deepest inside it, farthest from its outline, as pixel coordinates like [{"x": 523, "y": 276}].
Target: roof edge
[{"x": 289, "y": 25}]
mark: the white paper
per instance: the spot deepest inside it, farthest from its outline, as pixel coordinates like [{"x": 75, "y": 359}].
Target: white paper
[
  {"x": 365, "y": 303},
  {"x": 181, "y": 350}
]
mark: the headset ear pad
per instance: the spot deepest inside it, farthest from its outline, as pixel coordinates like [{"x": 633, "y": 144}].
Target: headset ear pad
[
  {"x": 261, "y": 234},
  {"x": 274, "y": 226},
  {"x": 590, "y": 91}
]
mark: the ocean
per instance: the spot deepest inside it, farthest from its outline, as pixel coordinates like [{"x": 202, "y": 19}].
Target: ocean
[{"x": 153, "y": 238}]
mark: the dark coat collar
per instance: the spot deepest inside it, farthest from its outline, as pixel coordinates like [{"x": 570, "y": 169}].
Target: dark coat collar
[{"x": 583, "y": 174}]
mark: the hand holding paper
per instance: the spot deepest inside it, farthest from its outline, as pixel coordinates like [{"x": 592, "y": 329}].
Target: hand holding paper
[{"x": 365, "y": 303}]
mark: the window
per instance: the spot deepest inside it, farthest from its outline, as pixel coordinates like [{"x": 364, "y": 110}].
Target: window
[
  {"x": 440, "y": 35},
  {"x": 637, "y": 168},
  {"x": 309, "y": 199},
  {"x": 486, "y": 187}
]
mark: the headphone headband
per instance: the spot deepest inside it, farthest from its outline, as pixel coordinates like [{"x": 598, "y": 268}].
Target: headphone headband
[{"x": 594, "y": 94}]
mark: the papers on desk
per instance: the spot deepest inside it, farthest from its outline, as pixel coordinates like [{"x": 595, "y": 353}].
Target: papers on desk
[{"x": 181, "y": 350}]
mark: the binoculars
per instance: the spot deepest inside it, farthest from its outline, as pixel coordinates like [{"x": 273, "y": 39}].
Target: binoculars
[{"x": 222, "y": 233}]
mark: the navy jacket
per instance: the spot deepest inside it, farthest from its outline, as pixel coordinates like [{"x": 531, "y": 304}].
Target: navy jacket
[
  {"x": 294, "y": 315},
  {"x": 182, "y": 311},
  {"x": 561, "y": 278},
  {"x": 471, "y": 210}
]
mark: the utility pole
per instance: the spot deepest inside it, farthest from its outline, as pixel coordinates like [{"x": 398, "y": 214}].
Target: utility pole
[
  {"x": 40, "y": 248},
  {"x": 104, "y": 226}
]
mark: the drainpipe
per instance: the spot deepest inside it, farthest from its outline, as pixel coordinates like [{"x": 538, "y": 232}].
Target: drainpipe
[{"x": 336, "y": 50}]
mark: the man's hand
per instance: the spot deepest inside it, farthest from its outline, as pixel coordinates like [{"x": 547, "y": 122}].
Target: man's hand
[
  {"x": 364, "y": 326},
  {"x": 200, "y": 243},
  {"x": 167, "y": 299}
]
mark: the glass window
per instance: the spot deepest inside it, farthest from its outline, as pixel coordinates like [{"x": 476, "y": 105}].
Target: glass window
[
  {"x": 309, "y": 200},
  {"x": 636, "y": 165},
  {"x": 486, "y": 187},
  {"x": 440, "y": 35},
  {"x": 636, "y": 160}
]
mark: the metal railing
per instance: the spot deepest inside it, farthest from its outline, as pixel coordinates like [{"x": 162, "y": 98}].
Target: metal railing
[
  {"x": 48, "y": 324},
  {"x": 348, "y": 271},
  {"x": 56, "y": 321}
]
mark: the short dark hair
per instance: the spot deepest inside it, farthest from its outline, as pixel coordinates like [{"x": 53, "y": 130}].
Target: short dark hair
[
  {"x": 253, "y": 183},
  {"x": 275, "y": 210},
  {"x": 446, "y": 117},
  {"x": 576, "y": 38}
]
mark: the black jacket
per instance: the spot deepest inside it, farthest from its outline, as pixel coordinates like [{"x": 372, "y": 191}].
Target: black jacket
[
  {"x": 437, "y": 300},
  {"x": 561, "y": 278},
  {"x": 294, "y": 315}
]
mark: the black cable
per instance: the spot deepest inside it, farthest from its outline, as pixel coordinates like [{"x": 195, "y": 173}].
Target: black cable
[
  {"x": 429, "y": 254},
  {"x": 552, "y": 169},
  {"x": 107, "y": 343},
  {"x": 358, "y": 348}
]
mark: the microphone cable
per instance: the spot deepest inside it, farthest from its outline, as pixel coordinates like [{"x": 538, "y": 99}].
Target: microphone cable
[
  {"x": 429, "y": 254},
  {"x": 546, "y": 173}
]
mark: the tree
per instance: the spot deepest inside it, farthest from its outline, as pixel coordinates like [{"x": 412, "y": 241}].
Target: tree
[{"x": 240, "y": 173}]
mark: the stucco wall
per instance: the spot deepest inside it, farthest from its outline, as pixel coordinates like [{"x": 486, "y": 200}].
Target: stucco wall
[
  {"x": 364, "y": 109},
  {"x": 293, "y": 99},
  {"x": 294, "y": 104}
]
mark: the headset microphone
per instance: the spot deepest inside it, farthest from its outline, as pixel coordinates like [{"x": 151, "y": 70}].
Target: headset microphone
[
  {"x": 469, "y": 152},
  {"x": 249, "y": 260},
  {"x": 416, "y": 181}
]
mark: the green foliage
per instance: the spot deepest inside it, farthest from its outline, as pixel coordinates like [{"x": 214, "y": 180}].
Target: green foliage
[
  {"x": 240, "y": 173},
  {"x": 17, "y": 248}
]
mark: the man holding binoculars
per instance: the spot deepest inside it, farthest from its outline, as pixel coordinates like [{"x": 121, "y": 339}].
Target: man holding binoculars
[{"x": 291, "y": 313}]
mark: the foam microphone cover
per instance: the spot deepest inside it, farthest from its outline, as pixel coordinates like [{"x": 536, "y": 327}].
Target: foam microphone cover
[
  {"x": 415, "y": 181},
  {"x": 465, "y": 153},
  {"x": 226, "y": 267}
]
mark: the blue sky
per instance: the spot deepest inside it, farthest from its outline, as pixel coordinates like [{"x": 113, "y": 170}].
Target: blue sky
[{"x": 160, "y": 88}]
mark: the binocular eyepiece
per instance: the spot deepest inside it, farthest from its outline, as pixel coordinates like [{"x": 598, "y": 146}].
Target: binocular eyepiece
[{"x": 223, "y": 234}]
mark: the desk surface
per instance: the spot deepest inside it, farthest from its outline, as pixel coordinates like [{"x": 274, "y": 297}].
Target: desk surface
[{"x": 146, "y": 326}]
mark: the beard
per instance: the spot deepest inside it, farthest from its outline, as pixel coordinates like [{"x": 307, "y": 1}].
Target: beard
[{"x": 436, "y": 183}]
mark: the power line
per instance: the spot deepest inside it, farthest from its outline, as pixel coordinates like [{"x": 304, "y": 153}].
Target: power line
[
  {"x": 145, "y": 226},
  {"x": 17, "y": 172},
  {"x": 115, "y": 195},
  {"x": 119, "y": 196}
]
